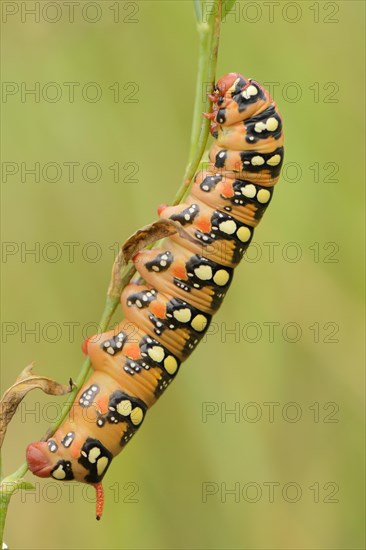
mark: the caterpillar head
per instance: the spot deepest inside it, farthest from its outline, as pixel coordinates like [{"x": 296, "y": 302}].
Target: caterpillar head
[
  {"x": 228, "y": 86},
  {"x": 236, "y": 98}
]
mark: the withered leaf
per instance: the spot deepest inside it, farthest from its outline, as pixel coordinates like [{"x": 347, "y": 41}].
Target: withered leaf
[
  {"x": 142, "y": 238},
  {"x": 150, "y": 234},
  {"x": 26, "y": 382}
]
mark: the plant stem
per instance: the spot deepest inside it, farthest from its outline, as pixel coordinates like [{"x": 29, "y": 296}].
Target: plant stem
[
  {"x": 198, "y": 10},
  {"x": 209, "y": 34}
]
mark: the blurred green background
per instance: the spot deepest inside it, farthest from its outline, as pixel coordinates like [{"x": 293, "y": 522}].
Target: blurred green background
[{"x": 156, "y": 491}]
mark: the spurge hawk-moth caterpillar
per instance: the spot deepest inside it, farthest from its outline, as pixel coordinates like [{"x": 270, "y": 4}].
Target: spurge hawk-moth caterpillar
[{"x": 185, "y": 283}]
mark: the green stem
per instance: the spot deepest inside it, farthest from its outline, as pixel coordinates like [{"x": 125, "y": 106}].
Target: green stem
[
  {"x": 198, "y": 10},
  {"x": 209, "y": 34}
]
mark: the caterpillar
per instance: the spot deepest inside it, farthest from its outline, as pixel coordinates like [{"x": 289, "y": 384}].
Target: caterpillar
[{"x": 184, "y": 284}]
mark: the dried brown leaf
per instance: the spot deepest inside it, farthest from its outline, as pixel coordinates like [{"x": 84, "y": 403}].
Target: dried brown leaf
[
  {"x": 26, "y": 382},
  {"x": 150, "y": 234},
  {"x": 141, "y": 239}
]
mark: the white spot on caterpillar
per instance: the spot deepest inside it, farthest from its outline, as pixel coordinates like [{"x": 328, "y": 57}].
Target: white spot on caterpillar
[
  {"x": 270, "y": 125},
  {"x": 249, "y": 92},
  {"x": 259, "y": 127},
  {"x": 68, "y": 440},
  {"x": 52, "y": 446}
]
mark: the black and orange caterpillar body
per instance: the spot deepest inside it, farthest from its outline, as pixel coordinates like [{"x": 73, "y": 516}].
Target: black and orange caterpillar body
[{"x": 185, "y": 283}]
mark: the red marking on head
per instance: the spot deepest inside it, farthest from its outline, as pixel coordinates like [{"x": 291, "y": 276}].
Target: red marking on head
[
  {"x": 37, "y": 460},
  {"x": 132, "y": 350},
  {"x": 179, "y": 271},
  {"x": 161, "y": 208},
  {"x": 204, "y": 223},
  {"x": 100, "y": 499},
  {"x": 158, "y": 309},
  {"x": 209, "y": 116},
  {"x": 225, "y": 82}
]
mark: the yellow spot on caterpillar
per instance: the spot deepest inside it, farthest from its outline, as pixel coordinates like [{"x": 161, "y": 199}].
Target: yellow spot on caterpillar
[
  {"x": 59, "y": 473},
  {"x": 257, "y": 161},
  {"x": 272, "y": 124},
  {"x": 263, "y": 196},
  {"x": 228, "y": 227},
  {"x": 136, "y": 416},
  {"x": 203, "y": 272},
  {"x": 259, "y": 127},
  {"x": 249, "y": 191},
  {"x": 101, "y": 465},
  {"x": 124, "y": 407},
  {"x": 93, "y": 454},
  {"x": 170, "y": 364},
  {"x": 156, "y": 353},
  {"x": 221, "y": 277},
  {"x": 274, "y": 161},
  {"x": 199, "y": 323},
  {"x": 243, "y": 234},
  {"x": 182, "y": 315}
]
